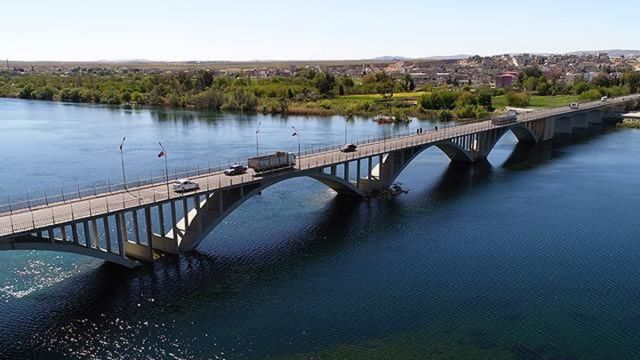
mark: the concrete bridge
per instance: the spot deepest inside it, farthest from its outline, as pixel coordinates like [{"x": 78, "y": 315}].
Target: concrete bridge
[{"x": 139, "y": 224}]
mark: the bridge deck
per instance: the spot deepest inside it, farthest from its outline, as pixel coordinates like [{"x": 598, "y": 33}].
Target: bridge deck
[{"x": 28, "y": 220}]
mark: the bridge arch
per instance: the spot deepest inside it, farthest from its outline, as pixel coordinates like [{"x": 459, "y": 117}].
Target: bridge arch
[
  {"x": 454, "y": 151},
  {"x": 207, "y": 220},
  {"x": 395, "y": 162},
  {"x": 28, "y": 242},
  {"x": 522, "y": 133}
]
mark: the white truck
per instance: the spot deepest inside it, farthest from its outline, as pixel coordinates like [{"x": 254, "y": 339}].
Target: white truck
[
  {"x": 278, "y": 161},
  {"x": 509, "y": 117}
]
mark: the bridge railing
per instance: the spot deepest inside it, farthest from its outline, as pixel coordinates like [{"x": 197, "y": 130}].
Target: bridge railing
[{"x": 66, "y": 194}]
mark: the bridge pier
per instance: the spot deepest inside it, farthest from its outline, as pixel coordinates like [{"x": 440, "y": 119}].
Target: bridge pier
[
  {"x": 563, "y": 125},
  {"x": 580, "y": 121},
  {"x": 594, "y": 117}
]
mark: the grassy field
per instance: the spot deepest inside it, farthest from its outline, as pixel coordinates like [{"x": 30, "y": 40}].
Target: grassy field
[{"x": 539, "y": 101}]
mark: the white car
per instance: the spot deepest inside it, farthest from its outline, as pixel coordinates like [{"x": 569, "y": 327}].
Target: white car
[{"x": 183, "y": 185}]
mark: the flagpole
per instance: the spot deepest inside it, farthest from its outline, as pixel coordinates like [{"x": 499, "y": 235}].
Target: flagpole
[
  {"x": 345, "y": 131},
  {"x": 257, "y": 142},
  {"x": 297, "y": 133},
  {"x": 166, "y": 168},
  {"x": 124, "y": 176}
]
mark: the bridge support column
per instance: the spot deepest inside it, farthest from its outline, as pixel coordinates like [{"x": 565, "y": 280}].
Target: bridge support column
[
  {"x": 121, "y": 231},
  {"x": 580, "y": 121},
  {"x": 594, "y": 117},
  {"x": 136, "y": 228},
  {"x": 562, "y": 125},
  {"x": 107, "y": 232}
]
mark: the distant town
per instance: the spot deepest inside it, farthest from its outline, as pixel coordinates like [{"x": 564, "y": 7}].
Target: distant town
[
  {"x": 391, "y": 89},
  {"x": 500, "y": 71}
]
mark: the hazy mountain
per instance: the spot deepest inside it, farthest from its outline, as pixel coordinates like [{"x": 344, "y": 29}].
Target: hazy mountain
[
  {"x": 403, "y": 58},
  {"x": 611, "y": 52}
]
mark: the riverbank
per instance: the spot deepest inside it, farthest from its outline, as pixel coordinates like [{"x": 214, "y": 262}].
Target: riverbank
[{"x": 629, "y": 123}]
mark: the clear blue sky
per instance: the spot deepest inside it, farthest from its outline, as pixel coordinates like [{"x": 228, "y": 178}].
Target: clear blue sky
[{"x": 305, "y": 30}]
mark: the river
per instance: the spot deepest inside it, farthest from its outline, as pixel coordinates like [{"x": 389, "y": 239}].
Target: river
[{"x": 533, "y": 255}]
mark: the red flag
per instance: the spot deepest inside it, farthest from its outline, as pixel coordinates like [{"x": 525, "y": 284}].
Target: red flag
[{"x": 161, "y": 154}]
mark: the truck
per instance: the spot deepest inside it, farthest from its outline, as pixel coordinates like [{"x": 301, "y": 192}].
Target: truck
[
  {"x": 509, "y": 117},
  {"x": 278, "y": 161}
]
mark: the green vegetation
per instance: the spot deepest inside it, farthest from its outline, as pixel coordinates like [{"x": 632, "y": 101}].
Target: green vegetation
[
  {"x": 310, "y": 92},
  {"x": 629, "y": 124},
  {"x": 537, "y": 101}
]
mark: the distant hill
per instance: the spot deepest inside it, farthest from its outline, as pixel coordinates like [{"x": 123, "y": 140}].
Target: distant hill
[
  {"x": 390, "y": 58},
  {"x": 611, "y": 52},
  {"x": 403, "y": 58}
]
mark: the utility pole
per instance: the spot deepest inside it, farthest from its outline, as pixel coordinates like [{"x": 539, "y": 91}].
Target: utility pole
[{"x": 124, "y": 176}]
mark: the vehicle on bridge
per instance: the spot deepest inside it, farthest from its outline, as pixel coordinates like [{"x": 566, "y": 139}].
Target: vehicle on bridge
[
  {"x": 235, "y": 169},
  {"x": 574, "y": 105},
  {"x": 510, "y": 117},
  {"x": 349, "y": 148},
  {"x": 184, "y": 185},
  {"x": 604, "y": 99},
  {"x": 279, "y": 161}
]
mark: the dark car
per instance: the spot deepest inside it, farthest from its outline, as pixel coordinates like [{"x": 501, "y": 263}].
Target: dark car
[
  {"x": 235, "y": 170},
  {"x": 349, "y": 148}
]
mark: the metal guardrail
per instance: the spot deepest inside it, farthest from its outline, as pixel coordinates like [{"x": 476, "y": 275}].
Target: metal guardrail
[{"x": 96, "y": 191}]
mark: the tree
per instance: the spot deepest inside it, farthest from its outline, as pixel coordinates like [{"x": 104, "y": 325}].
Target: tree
[
  {"x": 325, "y": 83},
  {"x": 466, "y": 111},
  {"x": 205, "y": 79},
  {"x": 592, "y": 94},
  {"x": 409, "y": 85},
  {"x": 544, "y": 89},
  {"x": 580, "y": 87},
  {"x": 25, "y": 92},
  {"x": 485, "y": 100},
  {"x": 530, "y": 83},
  {"x": 632, "y": 79},
  {"x": 520, "y": 99},
  {"x": 532, "y": 71},
  {"x": 380, "y": 82},
  {"x": 601, "y": 80},
  {"x": 44, "y": 93}
]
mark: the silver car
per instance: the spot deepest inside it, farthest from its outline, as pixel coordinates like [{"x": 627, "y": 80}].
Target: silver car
[{"x": 184, "y": 185}]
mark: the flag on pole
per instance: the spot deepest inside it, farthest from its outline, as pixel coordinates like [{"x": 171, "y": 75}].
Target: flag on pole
[
  {"x": 161, "y": 154},
  {"x": 258, "y": 129},
  {"x": 122, "y": 144}
]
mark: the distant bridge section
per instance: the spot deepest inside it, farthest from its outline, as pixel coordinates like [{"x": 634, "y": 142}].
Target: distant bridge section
[{"x": 136, "y": 225}]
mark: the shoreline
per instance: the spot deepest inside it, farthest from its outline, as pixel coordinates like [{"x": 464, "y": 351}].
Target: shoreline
[{"x": 296, "y": 109}]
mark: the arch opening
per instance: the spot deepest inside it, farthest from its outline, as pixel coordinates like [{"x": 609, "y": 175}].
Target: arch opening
[{"x": 208, "y": 218}]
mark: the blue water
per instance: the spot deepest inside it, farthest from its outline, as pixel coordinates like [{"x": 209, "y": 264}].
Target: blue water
[{"x": 532, "y": 255}]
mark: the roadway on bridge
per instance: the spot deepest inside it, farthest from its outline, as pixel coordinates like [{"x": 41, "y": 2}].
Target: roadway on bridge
[{"x": 39, "y": 217}]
